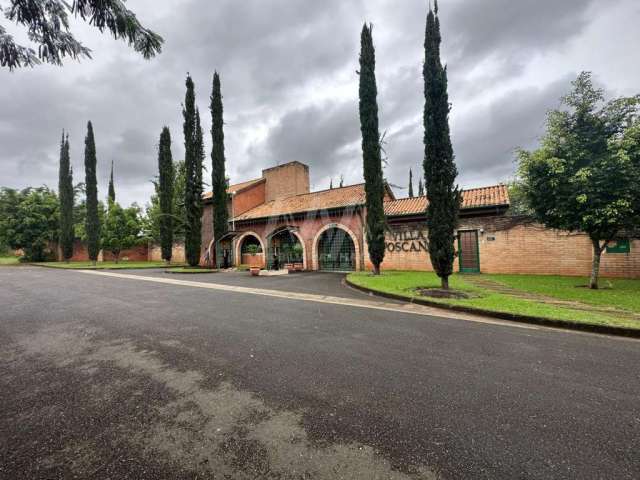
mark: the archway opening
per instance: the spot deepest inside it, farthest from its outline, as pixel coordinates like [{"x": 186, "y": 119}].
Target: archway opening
[
  {"x": 251, "y": 251},
  {"x": 284, "y": 248},
  {"x": 336, "y": 251}
]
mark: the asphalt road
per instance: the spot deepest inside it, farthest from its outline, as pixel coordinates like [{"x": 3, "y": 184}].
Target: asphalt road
[{"x": 121, "y": 378}]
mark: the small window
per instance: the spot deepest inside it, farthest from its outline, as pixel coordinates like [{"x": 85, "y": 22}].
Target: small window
[{"x": 619, "y": 246}]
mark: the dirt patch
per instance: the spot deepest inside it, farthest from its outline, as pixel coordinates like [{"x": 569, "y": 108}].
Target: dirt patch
[{"x": 440, "y": 293}]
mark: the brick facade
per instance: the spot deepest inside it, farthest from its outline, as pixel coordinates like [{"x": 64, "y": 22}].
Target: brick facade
[{"x": 519, "y": 246}]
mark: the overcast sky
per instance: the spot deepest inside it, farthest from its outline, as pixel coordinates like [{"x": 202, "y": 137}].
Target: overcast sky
[{"x": 288, "y": 72}]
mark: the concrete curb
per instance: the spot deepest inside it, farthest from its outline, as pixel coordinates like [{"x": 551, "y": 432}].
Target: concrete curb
[{"x": 561, "y": 324}]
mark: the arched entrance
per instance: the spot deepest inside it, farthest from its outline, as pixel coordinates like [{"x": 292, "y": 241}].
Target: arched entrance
[
  {"x": 250, "y": 251},
  {"x": 336, "y": 250},
  {"x": 284, "y": 247}
]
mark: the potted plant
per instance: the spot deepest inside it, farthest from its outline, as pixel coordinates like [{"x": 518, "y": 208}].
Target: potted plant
[{"x": 298, "y": 265}]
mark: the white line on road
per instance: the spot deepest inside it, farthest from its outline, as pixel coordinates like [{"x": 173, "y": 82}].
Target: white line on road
[{"x": 409, "y": 308}]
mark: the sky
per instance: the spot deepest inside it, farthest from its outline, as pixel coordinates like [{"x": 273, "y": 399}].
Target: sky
[{"x": 290, "y": 87}]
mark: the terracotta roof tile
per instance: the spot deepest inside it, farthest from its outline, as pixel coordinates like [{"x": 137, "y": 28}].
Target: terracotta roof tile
[
  {"x": 235, "y": 188},
  {"x": 495, "y": 195},
  {"x": 351, "y": 195}
]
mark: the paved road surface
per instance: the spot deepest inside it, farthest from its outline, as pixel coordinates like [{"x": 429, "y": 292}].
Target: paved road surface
[{"x": 105, "y": 377}]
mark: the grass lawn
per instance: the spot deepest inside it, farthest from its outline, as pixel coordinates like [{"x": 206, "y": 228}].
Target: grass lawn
[
  {"x": 9, "y": 260},
  {"x": 405, "y": 284},
  {"x": 122, "y": 265},
  {"x": 191, "y": 270},
  {"x": 613, "y": 292}
]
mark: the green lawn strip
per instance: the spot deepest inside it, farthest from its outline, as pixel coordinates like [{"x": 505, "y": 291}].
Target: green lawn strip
[
  {"x": 104, "y": 265},
  {"x": 191, "y": 270},
  {"x": 405, "y": 283},
  {"x": 9, "y": 260},
  {"x": 613, "y": 292}
]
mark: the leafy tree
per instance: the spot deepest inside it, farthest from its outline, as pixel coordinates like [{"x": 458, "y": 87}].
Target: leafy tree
[
  {"x": 47, "y": 22},
  {"x": 29, "y": 220},
  {"x": 92, "y": 225},
  {"x": 410, "y": 184},
  {"x": 218, "y": 173},
  {"x": 111, "y": 195},
  {"x": 122, "y": 229},
  {"x": 518, "y": 203},
  {"x": 440, "y": 171},
  {"x": 194, "y": 152},
  {"x": 165, "y": 191},
  {"x": 66, "y": 195},
  {"x": 586, "y": 174},
  {"x": 371, "y": 150}
]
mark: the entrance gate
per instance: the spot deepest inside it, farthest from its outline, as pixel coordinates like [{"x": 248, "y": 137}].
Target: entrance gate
[{"x": 336, "y": 251}]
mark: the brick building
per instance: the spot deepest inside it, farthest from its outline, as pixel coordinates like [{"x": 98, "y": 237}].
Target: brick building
[{"x": 278, "y": 217}]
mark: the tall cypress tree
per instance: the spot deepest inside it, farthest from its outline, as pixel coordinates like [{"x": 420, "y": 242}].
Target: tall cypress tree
[
  {"x": 440, "y": 170},
  {"x": 193, "y": 173},
  {"x": 112, "y": 190},
  {"x": 410, "y": 184},
  {"x": 420, "y": 188},
  {"x": 92, "y": 226},
  {"x": 218, "y": 170},
  {"x": 66, "y": 196},
  {"x": 371, "y": 151},
  {"x": 165, "y": 189}
]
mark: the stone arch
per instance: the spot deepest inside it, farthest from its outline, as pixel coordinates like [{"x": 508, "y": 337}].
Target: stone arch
[
  {"x": 294, "y": 232},
  {"x": 316, "y": 240},
  {"x": 238, "y": 246}
]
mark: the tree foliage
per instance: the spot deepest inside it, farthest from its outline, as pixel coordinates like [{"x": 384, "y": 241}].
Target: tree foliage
[
  {"x": 66, "y": 195},
  {"x": 47, "y": 24},
  {"x": 410, "y": 184},
  {"x": 166, "y": 176},
  {"x": 111, "y": 194},
  {"x": 92, "y": 225},
  {"x": 29, "y": 220},
  {"x": 154, "y": 212},
  {"x": 440, "y": 171},
  {"x": 194, "y": 155},
  {"x": 371, "y": 150},
  {"x": 585, "y": 176},
  {"x": 122, "y": 229},
  {"x": 218, "y": 170}
]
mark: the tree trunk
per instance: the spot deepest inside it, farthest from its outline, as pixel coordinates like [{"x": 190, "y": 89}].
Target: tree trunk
[
  {"x": 376, "y": 269},
  {"x": 595, "y": 264},
  {"x": 117, "y": 257},
  {"x": 445, "y": 283},
  {"x": 93, "y": 263}
]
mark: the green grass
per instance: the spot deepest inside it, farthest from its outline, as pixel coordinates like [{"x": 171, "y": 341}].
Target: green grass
[
  {"x": 122, "y": 265},
  {"x": 191, "y": 270},
  {"x": 405, "y": 283},
  {"x": 618, "y": 293},
  {"x": 9, "y": 260}
]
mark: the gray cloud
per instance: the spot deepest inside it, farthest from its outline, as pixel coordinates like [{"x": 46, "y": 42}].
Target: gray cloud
[{"x": 290, "y": 88}]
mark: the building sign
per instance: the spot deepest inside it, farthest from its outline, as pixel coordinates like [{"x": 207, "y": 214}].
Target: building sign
[
  {"x": 619, "y": 246},
  {"x": 406, "y": 241}
]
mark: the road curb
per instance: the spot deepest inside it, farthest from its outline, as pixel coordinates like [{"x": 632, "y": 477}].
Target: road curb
[{"x": 566, "y": 325}]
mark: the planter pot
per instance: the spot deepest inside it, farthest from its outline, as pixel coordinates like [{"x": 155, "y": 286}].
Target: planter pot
[
  {"x": 255, "y": 271},
  {"x": 288, "y": 266}
]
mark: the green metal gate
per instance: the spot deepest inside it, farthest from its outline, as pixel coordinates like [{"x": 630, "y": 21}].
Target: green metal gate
[{"x": 336, "y": 251}]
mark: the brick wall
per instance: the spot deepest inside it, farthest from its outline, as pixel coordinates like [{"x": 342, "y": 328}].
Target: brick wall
[
  {"x": 80, "y": 254},
  {"x": 286, "y": 180},
  {"x": 509, "y": 245},
  {"x": 247, "y": 199},
  {"x": 177, "y": 253}
]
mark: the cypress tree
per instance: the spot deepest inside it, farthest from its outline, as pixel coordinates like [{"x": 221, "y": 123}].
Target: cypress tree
[
  {"x": 218, "y": 170},
  {"x": 410, "y": 184},
  {"x": 341, "y": 181},
  {"x": 92, "y": 226},
  {"x": 331, "y": 184},
  {"x": 440, "y": 170},
  {"x": 193, "y": 174},
  {"x": 420, "y": 188},
  {"x": 112, "y": 191},
  {"x": 66, "y": 197},
  {"x": 165, "y": 188},
  {"x": 371, "y": 150}
]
